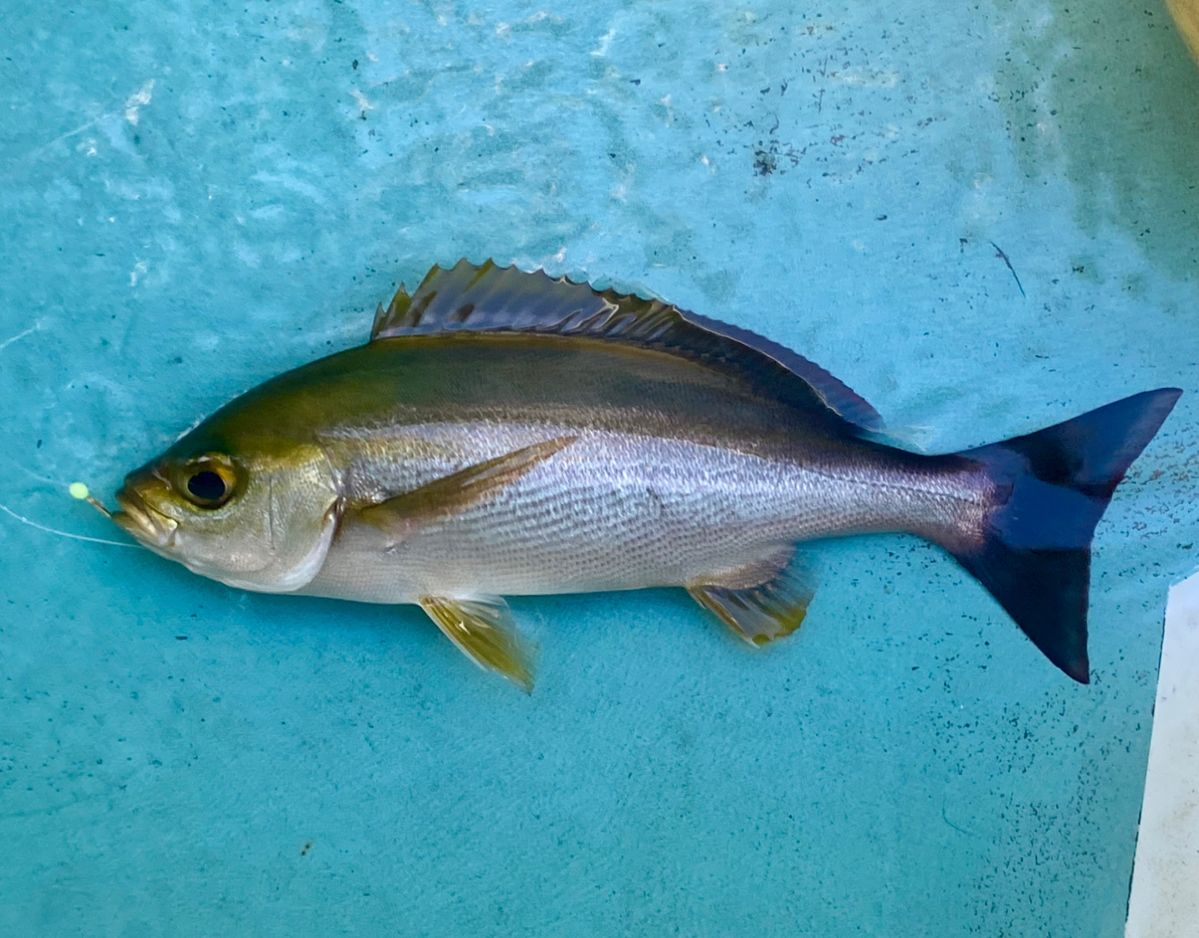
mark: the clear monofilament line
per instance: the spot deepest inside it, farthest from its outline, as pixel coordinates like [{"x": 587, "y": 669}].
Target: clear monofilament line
[{"x": 67, "y": 534}]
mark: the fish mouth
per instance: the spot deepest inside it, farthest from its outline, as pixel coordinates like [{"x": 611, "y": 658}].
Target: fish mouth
[{"x": 139, "y": 519}]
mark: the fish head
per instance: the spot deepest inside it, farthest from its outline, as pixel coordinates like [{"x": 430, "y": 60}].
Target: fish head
[{"x": 255, "y": 513}]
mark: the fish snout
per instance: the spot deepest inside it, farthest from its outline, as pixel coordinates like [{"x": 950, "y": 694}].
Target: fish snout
[{"x": 138, "y": 516}]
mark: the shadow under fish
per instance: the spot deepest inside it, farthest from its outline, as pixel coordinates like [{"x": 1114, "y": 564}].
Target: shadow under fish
[{"x": 504, "y": 433}]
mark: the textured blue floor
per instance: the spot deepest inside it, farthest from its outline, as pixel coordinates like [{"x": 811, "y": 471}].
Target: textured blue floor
[{"x": 194, "y": 197}]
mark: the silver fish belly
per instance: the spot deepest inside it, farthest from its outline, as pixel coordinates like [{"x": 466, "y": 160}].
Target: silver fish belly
[{"x": 617, "y": 511}]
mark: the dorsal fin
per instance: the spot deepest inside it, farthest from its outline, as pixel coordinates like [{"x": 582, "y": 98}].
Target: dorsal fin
[{"x": 487, "y": 298}]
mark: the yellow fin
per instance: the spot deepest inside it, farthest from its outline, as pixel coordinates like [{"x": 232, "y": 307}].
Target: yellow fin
[
  {"x": 484, "y": 630},
  {"x": 759, "y": 602},
  {"x": 452, "y": 494}
]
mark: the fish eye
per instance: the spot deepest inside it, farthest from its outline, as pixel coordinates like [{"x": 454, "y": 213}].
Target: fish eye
[
  {"x": 207, "y": 482},
  {"x": 207, "y": 486}
]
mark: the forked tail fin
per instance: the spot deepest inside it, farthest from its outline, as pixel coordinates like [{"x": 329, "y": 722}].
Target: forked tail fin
[{"x": 1053, "y": 486}]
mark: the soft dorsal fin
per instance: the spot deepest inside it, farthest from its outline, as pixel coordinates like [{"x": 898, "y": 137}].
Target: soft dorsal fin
[{"x": 487, "y": 298}]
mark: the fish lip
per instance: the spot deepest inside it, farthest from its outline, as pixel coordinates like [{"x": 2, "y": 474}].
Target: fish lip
[{"x": 142, "y": 521}]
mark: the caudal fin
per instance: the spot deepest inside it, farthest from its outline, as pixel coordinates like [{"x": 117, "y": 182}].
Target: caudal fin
[{"x": 1052, "y": 488}]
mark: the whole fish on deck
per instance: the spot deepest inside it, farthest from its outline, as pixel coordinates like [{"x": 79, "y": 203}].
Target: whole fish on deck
[{"x": 504, "y": 433}]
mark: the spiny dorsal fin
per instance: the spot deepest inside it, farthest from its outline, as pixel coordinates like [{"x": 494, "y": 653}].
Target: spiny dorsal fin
[{"x": 487, "y": 298}]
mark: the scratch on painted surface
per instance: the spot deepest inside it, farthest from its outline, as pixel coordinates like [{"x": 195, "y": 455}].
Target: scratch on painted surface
[
  {"x": 132, "y": 107},
  {"x": 362, "y": 101},
  {"x": 138, "y": 100},
  {"x": 1002, "y": 255},
  {"x": 21, "y": 335}
]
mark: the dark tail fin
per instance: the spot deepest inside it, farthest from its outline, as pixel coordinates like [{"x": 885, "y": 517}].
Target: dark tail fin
[{"x": 1053, "y": 487}]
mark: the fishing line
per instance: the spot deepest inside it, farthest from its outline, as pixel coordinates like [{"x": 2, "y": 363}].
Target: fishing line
[{"x": 67, "y": 534}]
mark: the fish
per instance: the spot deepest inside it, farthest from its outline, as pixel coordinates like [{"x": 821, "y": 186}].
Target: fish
[{"x": 506, "y": 433}]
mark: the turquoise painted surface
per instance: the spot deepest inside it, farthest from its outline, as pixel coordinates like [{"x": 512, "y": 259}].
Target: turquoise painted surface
[{"x": 195, "y": 197}]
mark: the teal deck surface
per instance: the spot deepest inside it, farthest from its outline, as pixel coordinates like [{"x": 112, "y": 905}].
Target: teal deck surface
[{"x": 194, "y": 197}]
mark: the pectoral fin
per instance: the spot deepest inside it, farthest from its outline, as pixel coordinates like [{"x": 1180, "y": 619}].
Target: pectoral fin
[
  {"x": 759, "y": 602},
  {"x": 449, "y": 495},
  {"x": 484, "y": 630}
]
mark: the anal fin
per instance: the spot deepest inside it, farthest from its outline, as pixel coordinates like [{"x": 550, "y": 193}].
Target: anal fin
[
  {"x": 483, "y": 629},
  {"x": 759, "y": 602}
]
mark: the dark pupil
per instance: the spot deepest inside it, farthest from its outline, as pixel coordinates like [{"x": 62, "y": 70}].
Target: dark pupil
[{"x": 207, "y": 486}]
